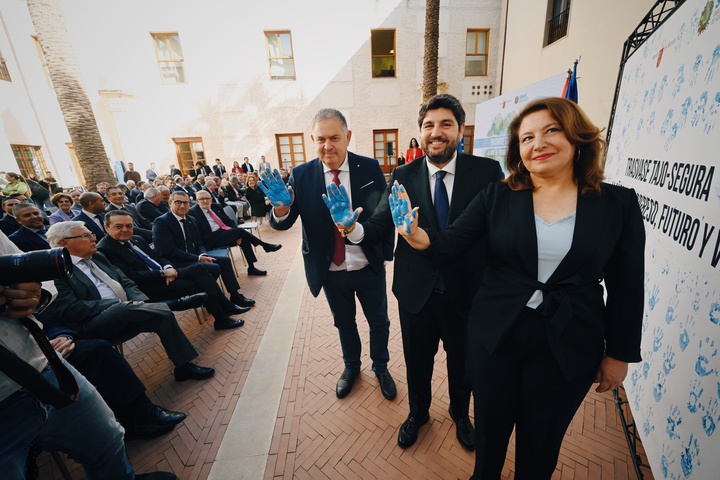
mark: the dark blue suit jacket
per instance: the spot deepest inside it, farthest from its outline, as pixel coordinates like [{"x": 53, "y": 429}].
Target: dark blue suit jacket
[
  {"x": 28, "y": 241},
  {"x": 148, "y": 210},
  {"x": 9, "y": 225},
  {"x": 91, "y": 225},
  {"x": 170, "y": 242},
  {"x": 308, "y": 182}
]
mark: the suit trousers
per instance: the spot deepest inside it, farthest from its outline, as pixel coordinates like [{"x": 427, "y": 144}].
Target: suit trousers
[
  {"x": 86, "y": 430},
  {"x": 191, "y": 280},
  {"x": 108, "y": 370},
  {"x": 521, "y": 385},
  {"x": 124, "y": 320},
  {"x": 222, "y": 267},
  {"x": 421, "y": 334},
  {"x": 340, "y": 290},
  {"x": 229, "y": 238}
]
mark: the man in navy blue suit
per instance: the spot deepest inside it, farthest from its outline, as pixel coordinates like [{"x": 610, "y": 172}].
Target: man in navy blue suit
[
  {"x": 343, "y": 271},
  {"x": 31, "y": 235},
  {"x": 92, "y": 214}
]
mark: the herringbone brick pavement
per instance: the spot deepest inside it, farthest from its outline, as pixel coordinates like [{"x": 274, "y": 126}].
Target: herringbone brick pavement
[{"x": 316, "y": 435}]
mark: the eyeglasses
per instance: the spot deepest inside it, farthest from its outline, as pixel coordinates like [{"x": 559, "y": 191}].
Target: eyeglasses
[
  {"x": 84, "y": 236},
  {"x": 180, "y": 202}
]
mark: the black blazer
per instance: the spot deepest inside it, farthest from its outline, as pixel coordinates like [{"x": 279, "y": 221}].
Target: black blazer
[
  {"x": 232, "y": 195},
  {"x": 78, "y": 300},
  {"x": 256, "y": 199},
  {"x": 219, "y": 170},
  {"x": 608, "y": 243},
  {"x": 148, "y": 210},
  {"x": 132, "y": 265},
  {"x": 143, "y": 226},
  {"x": 9, "y": 225},
  {"x": 170, "y": 242},
  {"x": 91, "y": 225},
  {"x": 367, "y": 184},
  {"x": 28, "y": 241},
  {"x": 415, "y": 274}
]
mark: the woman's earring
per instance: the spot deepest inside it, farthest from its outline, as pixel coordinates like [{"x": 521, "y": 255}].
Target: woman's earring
[
  {"x": 577, "y": 154},
  {"x": 520, "y": 167}
]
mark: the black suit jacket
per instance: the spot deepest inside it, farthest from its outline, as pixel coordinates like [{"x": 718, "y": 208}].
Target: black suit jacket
[
  {"x": 78, "y": 300},
  {"x": 367, "y": 184},
  {"x": 219, "y": 170},
  {"x": 203, "y": 225},
  {"x": 608, "y": 243},
  {"x": 174, "y": 172},
  {"x": 148, "y": 210},
  {"x": 9, "y": 225},
  {"x": 170, "y": 242},
  {"x": 234, "y": 195},
  {"x": 415, "y": 274},
  {"x": 143, "y": 226},
  {"x": 247, "y": 167},
  {"x": 28, "y": 241},
  {"x": 91, "y": 225},
  {"x": 132, "y": 265}
]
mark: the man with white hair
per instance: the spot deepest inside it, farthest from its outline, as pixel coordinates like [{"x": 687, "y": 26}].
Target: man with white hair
[{"x": 148, "y": 207}]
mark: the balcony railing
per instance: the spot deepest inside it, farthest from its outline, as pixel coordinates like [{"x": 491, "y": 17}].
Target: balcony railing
[{"x": 557, "y": 26}]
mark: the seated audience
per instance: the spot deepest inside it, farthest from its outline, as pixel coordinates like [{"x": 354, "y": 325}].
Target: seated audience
[
  {"x": 75, "y": 195},
  {"x": 64, "y": 212},
  {"x": 8, "y": 224},
  {"x": 216, "y": 232},
  {"x": 157, "y": 277},
  {"x": 177, "y": 238},
  {"x": 143, "y": 226},
  {"x": 99, "y": 301},
  {"x": 148, "y": 208},
  {"x": 92, "y": 215}
]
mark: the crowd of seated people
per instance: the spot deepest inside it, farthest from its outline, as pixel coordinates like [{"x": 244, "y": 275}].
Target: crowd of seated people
[{"x": 141, "y": 251}]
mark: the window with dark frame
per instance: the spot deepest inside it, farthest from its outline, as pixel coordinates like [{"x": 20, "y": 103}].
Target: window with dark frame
[
  {"x": 280, "y": 55},
  {"x": 468, "y": 136},
  {"x": 385, "y": 148},
  {"x": 189, "y": 151},
  {"x": 476, "y": 52},
  {"x": 290, "y": 149},
  {"x": 558, "y": 19},
  {"x": 383, "y": 53},
  {"x": 171, "y": 62}
]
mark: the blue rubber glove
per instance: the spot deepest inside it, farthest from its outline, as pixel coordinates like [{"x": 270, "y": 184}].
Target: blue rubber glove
[
  {"x": 338, "y": 203},
  {"x": 403, "y": 215},
  {"x": 275, "y": 189}
]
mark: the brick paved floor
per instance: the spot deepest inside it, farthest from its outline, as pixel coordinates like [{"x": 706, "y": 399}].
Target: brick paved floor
[{"x": 317, "y": 435}]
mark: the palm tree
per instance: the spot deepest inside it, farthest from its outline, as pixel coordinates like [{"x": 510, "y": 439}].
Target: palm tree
[
  {"x": 432, "y": 35},
  {"x": 49, "y": 22}
]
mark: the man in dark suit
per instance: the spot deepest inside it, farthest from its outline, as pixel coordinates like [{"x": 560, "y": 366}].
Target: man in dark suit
[
  {"x": 151, "y": 173},
  {"x": 8, "y": 223},
  {"x": 235, "y": 195},
  {"x": 133, "y": 191},
  {"x": 247, "y": 166},
  {"x": 177, "y": 238},
  {"x": 31, "y": 235},
  {"x": 99, "y": 301},
  {"x": 434, "y": 300},
  {"x": 156, "y": 276},
  {"x": 174, "y": 171},
  {"x": 341, "y": 270},
  {"x": 148, "y": 208},
  {"x": 218, "y": 168},
  {"x": 92, "y": 214},
  {"x": 216, "y": 231},
  {"x": 143, "y": 226}
]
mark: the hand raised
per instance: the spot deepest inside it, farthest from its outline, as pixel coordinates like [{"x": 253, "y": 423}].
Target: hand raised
[
  {"x": 403, "y": 214},
  {"x": 338, "y": 203},
  {"x": 275, "y": 189}
]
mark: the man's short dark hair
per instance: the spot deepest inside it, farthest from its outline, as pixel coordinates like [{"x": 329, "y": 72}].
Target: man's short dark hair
[
  {"x": 114, "y": 213},
  {"x": 443, "y": 100}
]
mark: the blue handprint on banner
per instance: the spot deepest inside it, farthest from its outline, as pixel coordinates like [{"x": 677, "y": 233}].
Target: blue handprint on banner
[
  {"x": 696, "y": 392},
  {"x": 673, "y": 420},
  {"x": 708, "y": 351}
]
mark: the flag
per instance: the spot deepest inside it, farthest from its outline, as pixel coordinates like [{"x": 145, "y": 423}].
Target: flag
[
  {"x": 571, "y": 91},
  {"x": 567, "y": 83}
]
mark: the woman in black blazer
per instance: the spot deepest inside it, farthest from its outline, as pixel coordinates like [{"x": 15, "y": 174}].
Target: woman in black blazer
[
  {"x": 256, "y": 198},
  {"x": 540, "y": 331}
]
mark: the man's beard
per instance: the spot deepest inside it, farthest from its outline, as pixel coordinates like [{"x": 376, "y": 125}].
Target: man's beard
[{"x": 444, "y": 156}]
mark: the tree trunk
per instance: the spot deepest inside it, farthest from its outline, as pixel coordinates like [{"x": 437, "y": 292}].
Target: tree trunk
[
  {"x": 49, "y": 22},
  {"x": 432, "y": 36}
]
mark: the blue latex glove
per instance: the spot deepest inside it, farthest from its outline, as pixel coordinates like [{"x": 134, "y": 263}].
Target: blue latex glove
[
  {"x": 403, "y": 215},
  {"x": 275, "y": 189},
  {"x": 338, "y": 203}
]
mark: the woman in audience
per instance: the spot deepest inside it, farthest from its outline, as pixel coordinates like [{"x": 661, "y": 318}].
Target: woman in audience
[
  {"x": 16, "y": 184},
  {"x": 236, "y": 168},
  {"x": 414, "y": 151},
  {"x": 256, "y": 199},
  {"x": 64, "y": 203}
]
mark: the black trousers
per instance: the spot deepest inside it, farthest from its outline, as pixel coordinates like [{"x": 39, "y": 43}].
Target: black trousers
[
  {"x": 229, "y": 238},
  {"x": 191, "y": 280},
  {"x": 520, "y": 385},
  {"x": 421, "y": 334}
]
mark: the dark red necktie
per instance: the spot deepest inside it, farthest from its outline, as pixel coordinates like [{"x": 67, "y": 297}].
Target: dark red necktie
[{"x": 339, "y": 248}]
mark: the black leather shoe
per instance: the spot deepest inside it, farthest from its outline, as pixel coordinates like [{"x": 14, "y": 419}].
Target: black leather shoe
[
  {"x": 387, "y": 385},
  {"x": 235, "y": 310},
  {"x": 190, "y": 371},
  {"x": 409, "y": 431},
  {"x": 227, "y": 323},
  {"x": 464, "y": 430},
  {"x": 156, "y": 476},
  {"x": 256, "y": 271},
  {"x": 186, "y": 303},
  {"x": 345, "y": 383},
  {"x": 271, "y": 247},
  {"x": 161, "y": 416},
  {"x": 241, "y": 300}
]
